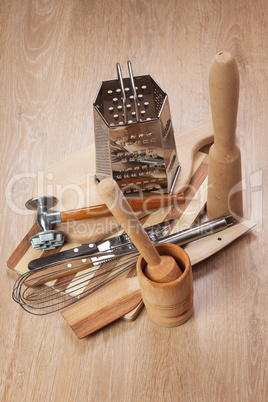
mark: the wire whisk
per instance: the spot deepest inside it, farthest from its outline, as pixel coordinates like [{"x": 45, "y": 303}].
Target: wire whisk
[{"x": 37, "y": 298}]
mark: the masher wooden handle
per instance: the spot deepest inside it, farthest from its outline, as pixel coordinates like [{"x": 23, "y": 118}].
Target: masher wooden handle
[
  {"x": 224, "y": 167},
  {"x": 224, "y": 94},
  {"x": 113, "y": 197},
  {"x": 148, "y": 203}
]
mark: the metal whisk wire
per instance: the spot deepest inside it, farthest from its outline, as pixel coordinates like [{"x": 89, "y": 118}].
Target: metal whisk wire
[{"x": 62, "y": 293}]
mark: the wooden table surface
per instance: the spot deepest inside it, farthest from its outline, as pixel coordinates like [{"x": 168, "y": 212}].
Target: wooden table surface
[{"x": 54, "y": 54}]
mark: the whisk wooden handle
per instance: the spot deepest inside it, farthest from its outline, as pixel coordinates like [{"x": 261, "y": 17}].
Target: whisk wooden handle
[{"x": 113, "y": 197}]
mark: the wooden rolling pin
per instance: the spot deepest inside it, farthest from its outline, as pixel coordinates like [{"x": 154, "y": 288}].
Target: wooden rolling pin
[
  {"x": 224, "y": 168},
  {"x": 159, "y": 268}
]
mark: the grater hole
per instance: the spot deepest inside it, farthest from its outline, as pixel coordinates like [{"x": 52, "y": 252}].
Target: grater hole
[
  {"x": 131, "y": 98},
  {"x": 133, "y": 114},
  {"x": 140, "y": 96},
  {"x": 144, "y": 87},
  {"x": 127, "y": 89},
  {"x": 111, "y": 109},
  {"x": 146, "y": 104},
  {"x": 128, "y": 106},
  {"x": 116, "y": 116},
  {"x": 115, "y": 100},
  {"x": 118, "y": 90},
  {"x": 109, "y": 92},
  {"x": 119, "y": 108},
  {"x": 142, "y": 113}
]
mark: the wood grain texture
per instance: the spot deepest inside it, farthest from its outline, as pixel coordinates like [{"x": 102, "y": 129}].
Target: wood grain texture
[
  {"x": 53, "y": 57},
  {"x": 105, "y": 307},
  {"x": 224, "y": 195},
  {"x": 142, "y": 204}
]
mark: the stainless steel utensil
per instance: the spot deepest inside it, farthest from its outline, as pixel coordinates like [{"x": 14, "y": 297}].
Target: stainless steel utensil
[
  {"x": 134, "y": 136},
  {"x": 121, "y": 244}
]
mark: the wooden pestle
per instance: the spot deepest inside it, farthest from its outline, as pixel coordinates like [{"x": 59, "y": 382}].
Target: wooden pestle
[
  {"x": 159, "y": 268},
  {"x": 224, "y": 167}
]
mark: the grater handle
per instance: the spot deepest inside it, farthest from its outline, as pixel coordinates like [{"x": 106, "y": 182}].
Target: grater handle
[
  {"x": 133, "y": 86},
  {"x": 124, "y": 99}
]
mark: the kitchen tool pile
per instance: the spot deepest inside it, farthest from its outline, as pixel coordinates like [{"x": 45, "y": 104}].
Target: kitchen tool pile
[{"x": 96, "y": 282}]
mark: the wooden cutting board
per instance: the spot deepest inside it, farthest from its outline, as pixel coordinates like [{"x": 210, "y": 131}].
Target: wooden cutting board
[
  {"x": 113, "y": 306},
  {"x": 73, "y": 177},
  {"x": 187, "y": 213}
]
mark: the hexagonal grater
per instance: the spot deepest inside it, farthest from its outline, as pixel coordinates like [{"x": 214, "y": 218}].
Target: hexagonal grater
[{"x": 134, "y": 137}]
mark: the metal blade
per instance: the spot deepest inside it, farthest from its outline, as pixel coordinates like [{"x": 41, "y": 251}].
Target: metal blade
[
  {"x": 154, "y": 232},
  {"x": 121, "y": 243}
]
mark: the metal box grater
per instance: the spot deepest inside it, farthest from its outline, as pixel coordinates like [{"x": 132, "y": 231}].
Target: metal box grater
[{"x": 134, "y": 137}]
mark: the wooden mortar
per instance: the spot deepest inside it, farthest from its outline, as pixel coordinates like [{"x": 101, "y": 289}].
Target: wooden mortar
[
  {"x": 168, "y": 304},
  {"x": 164, "y": 271}
]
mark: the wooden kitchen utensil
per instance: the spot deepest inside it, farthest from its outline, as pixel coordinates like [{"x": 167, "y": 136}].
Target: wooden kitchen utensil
[
  {"x": 167, "y": 292},
  {"x": 141, "y": 204},
  {"x": 224, "y": 172},
  {"x": 159, "y": 268},
  {"x": 106, "y": 306},
  {"x": 168, "y": 304}
]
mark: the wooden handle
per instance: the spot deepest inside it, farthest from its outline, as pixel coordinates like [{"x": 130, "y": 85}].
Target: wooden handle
[
  {"x": 224, "y": 94},
  {"x": 144, "y": 204},
  {"x": 158, "y": 269},
  {"x": 188, "y": 144},
  {"x": 113, "y": 197},
  {"x": 224, "y": 167}
]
